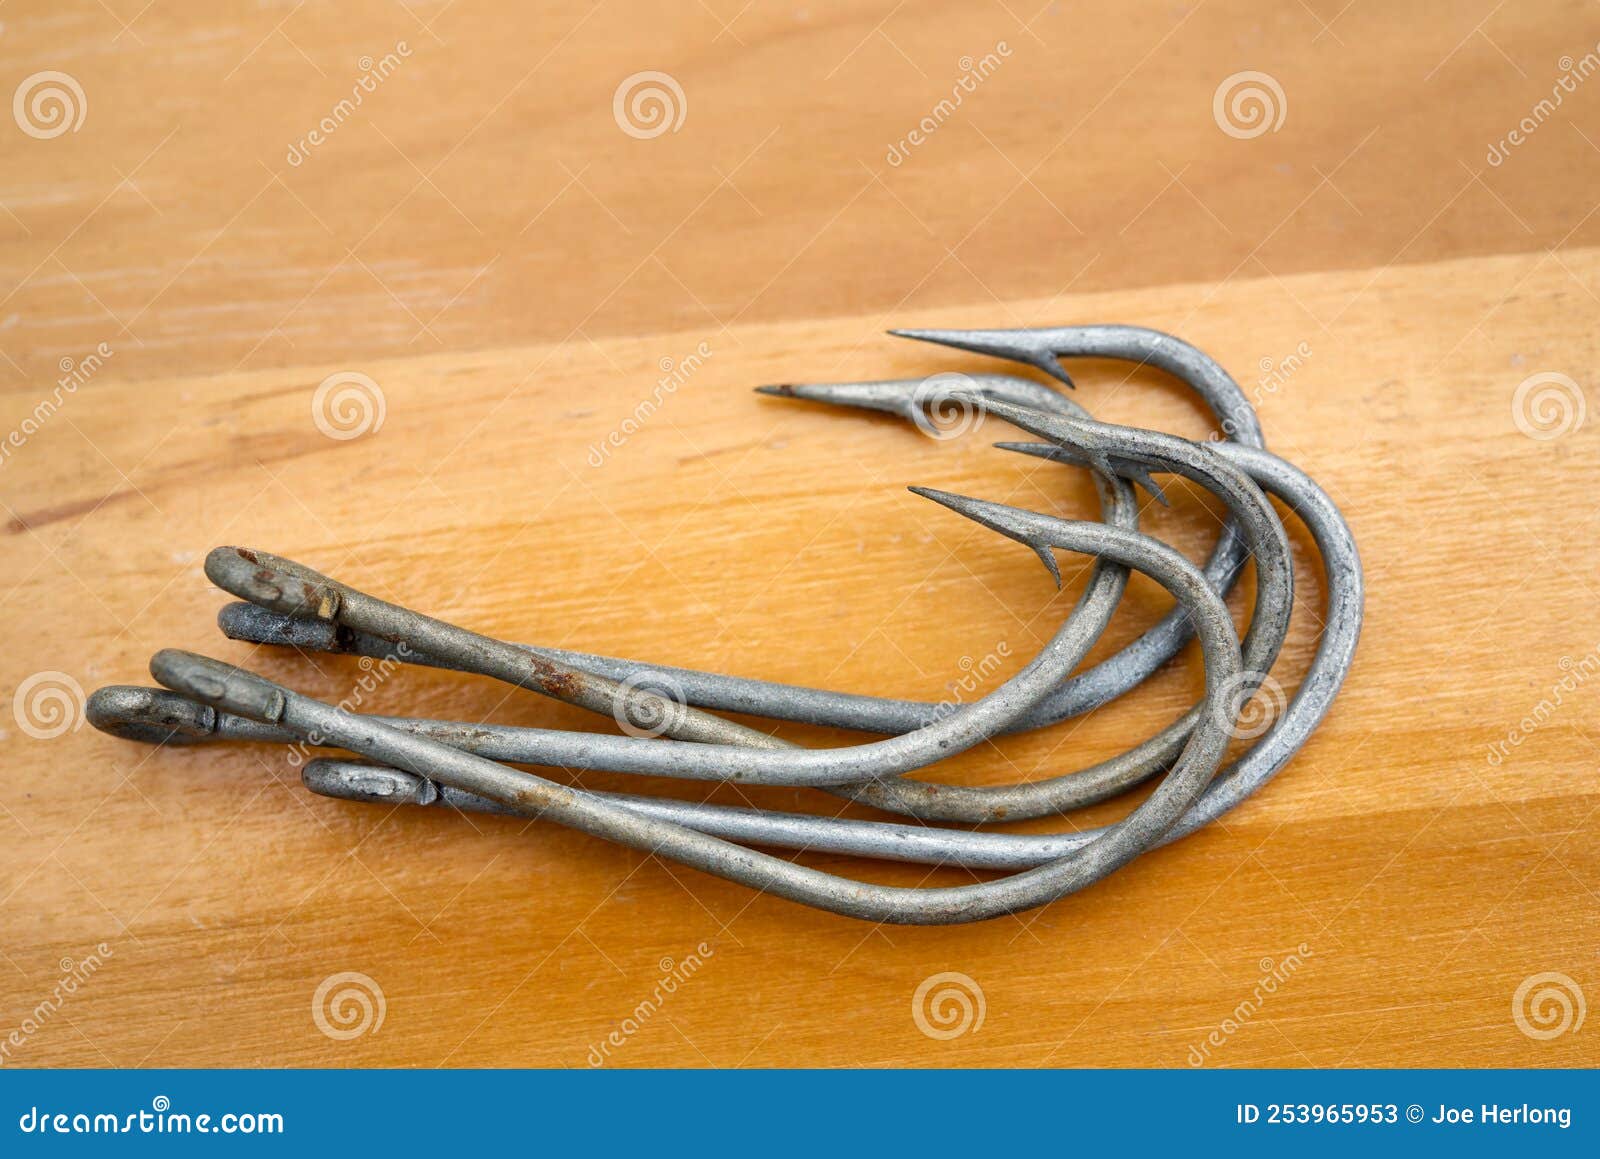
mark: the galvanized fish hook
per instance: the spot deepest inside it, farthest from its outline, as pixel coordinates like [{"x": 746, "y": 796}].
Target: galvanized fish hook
[{"x": 434, "y": 759}]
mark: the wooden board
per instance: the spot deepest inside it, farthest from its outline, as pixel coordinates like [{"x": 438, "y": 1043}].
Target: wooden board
[{"x": 513, "y": 272}]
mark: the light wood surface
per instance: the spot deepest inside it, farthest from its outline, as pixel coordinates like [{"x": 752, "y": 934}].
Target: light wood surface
[{"x": 510, "y": 268}]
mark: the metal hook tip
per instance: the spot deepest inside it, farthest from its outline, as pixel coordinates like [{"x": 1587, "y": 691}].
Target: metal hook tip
[
  {"x": 1036, "y": 450},
  {"x": 1059, "y": 454},
  {"x": 812, "y": 391},
  {"x": 948, "y": 498},
  {"x": 1012, "y": 522},
  {"x": 1035, "y": 422},
  {"x": 897, "y": 396},
  {"x": 1017, "y": 345}
]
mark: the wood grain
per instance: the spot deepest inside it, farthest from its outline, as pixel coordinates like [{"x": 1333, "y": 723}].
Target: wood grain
[{"x": 1417, "y": 873}]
